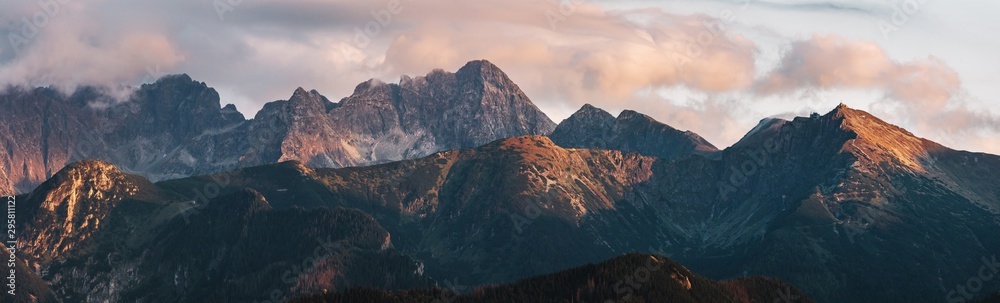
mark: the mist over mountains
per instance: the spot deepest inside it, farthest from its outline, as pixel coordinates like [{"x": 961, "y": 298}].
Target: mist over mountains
[{"x": 400, "y": 190}]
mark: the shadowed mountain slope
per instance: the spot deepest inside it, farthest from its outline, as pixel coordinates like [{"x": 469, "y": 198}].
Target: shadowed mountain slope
[{"x": 628, "y": 278}]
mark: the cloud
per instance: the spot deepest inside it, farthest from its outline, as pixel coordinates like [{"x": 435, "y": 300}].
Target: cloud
[
  {"x": 834, "y": 62},
  {"x": 591, "y": 49},
  {"x": 68, "y": 44},
  {"x": 590, "y": 52},
  {"x": 850, "y": 6},
  {"x": 927, "y": 93}
]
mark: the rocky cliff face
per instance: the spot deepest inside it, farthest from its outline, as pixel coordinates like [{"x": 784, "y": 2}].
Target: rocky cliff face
[
  {"x": 176, "y": 126},
  {"x": 591, "y": 127},
  {"x": 66, "y": 211},
  {"x": 168, "y": 129},
  {"x": 418, "y": 116}
]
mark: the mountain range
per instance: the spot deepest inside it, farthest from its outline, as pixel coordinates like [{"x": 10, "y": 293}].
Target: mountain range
[
  {"x": 175, "y": 127},
  {"x": 629, "y": 278},
  {"x": 389, "y": 194}
]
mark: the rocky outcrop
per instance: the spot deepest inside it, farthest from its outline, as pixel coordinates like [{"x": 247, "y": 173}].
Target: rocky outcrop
[
  {"x": 66, "y": 211},
  {"x": 383, "y": 122},
  {"x": 172, "y": 128}
]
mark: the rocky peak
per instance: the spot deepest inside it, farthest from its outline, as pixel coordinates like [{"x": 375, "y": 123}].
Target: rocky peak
[
  {"x": 864, "y": 123},
  {"x": 486, "y": 77},
  {"x": 373, "y": 91},
  {"x": 631, "y": 114},
  {"x": 766, "y": 128},
  {"x": 174, "y": 78},
  {"x": 89, "y": 179},
  {"x": 307, "y": 104},
  {"x": 303, "y": 96},
  {"x": 483, "y": 69},
  {"x": 176, "y": 127},
  {"x": 94, "y": 173},
  {"x": 69, "y": 208},
  {"x": 174, "y": 104},
  {"x": 588, "y": 127},
  {"x": 421, "y": 82},
  {"x": 845, "y": 129},
  {"x": 299, "y": 93},
  {"x": 592, "y": 113},
  {"x": 229, "y": 108},
  {"x": 877, "y": 140},
  {"x": 591, "y": 127},
  {"x": 231, "y": 115},
  {"x": 180, "y": 89},
  {"x": 371, "y": 84}
]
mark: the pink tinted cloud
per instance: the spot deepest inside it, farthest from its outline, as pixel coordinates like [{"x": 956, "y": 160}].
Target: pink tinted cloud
[
  {"x": 835, "y": 62},
  {"x": 926, "y": 92},
  {"x": 591, "y": 55}
]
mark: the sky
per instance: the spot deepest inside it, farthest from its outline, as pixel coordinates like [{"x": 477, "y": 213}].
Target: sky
[{"x": 715, "y": 67}]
